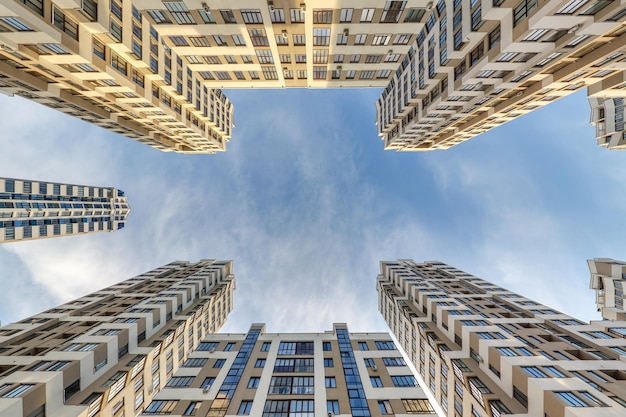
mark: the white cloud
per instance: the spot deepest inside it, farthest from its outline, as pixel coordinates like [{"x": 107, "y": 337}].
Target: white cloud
[{"x": 303, "y": 212}]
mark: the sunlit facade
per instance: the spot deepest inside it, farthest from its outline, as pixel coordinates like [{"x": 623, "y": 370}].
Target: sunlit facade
[
  {"x": 335, "y": 373},
  {"x": 478, "y": 64},
  {"x": 108, "y": 353},
  {"x": 485, "y": 351}
]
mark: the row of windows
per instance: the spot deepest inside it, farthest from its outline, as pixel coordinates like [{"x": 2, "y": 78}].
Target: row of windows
[{"x": 179, "y": 12}]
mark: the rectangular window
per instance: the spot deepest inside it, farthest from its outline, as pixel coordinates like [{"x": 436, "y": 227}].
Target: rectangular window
[
  {"x": 252, "y": 16},
  {"x": 179, "y": 381},
  {"x": 403, "y": 381},
  {"x": 17, "y": 391},
  {"x": 207, "y": 383},
  {"x": 327, "y": 346},
  {"x": 328, "y": 363},
  {"x": 385, "y": 407},
  {"x": 63, "y": 22},
  {"x": 570, "y": 399},
  {"x": 522, "y": 10},
  {"x": 253, "y": 382},
  {"x": 195, "y": 362},
  {"x": 161, "y": 407},
  {"x": 244, "y": 408},
  {"x": 385, "y": 345},
  {"x": 331, "y": 382},
  {"x": 376, "y": 381}
]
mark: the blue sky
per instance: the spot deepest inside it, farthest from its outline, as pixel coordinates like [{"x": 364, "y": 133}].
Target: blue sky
[{"x": 306, "y": 203}]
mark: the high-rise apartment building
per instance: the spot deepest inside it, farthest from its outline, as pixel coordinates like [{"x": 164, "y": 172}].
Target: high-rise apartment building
[
  {"x": 108, "y": 353},
  {"x": 475, "y": 65},
  {"x": 38, "y": 209},
  {"x": 485, "y": 351},
  {"x": 335, "y": 373},
  {"x": 152, "y": 70},
  {"x": 608, "y": 279}
]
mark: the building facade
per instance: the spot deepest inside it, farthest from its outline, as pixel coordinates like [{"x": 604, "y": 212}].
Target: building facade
[
  {"x": 608, "y": 279},
  {"x": 607, "y": 115},
  {"x": 485, "y": 351},
  {"x": 478, "y": 64},
  {"x": 38, "y": 209},
  {"x": 108, "y": 353},
  {"x": 153, "y": 70},
  {"x": 336, "y": 373}
]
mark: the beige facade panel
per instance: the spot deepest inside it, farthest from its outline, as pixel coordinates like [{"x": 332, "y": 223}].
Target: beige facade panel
[
  {"x": 109, "y": 353},
  {"x": 483, "y": 350}
]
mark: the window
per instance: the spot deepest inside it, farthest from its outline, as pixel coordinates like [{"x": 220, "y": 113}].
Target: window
[
  {"x": 404, "y": 381},
  {"x": 322, "y": 16},
  {"x": 321, "y": 37},
  {"x": 367, "y": 15},
  {"x": 228, "y": 16},
  {"x": 360, "y": 39},
  {"x": 554, "y": 372},
  {"x": 326, "y": 346},
  {"x": 265, "y": 347},
  {"x": 417, "y": 406},
  {"x": 244, "y": 408},
  {"x": 346, "y": 17},
  {"x": 208, "y": 382},
  {"x": 60, "y": 20},
  {"x": 119, "y": 64},
  {"x": 17, "y": 391},
  {"x": 295, "y": 348},
  {"x": 385, "y": 407},
  {"x": 260, "y": 363},
  {"x": 179, "y": 12},
  {"x": 363, "y": 346},
  {"x": 219, "y": 363},
  {"x": 138, "y": 399},
  {"x": 394, "y": 361},
  {"x": 195, "y": 362},
  {"x": 534, "y": 372},
  {"x": 253, "y": 382},
  {"x": 229, "y": 347},
  {"x": 385, "y": 345},
  {"x": 522, "y": 10},
  {"x": 570, "y": 399},
  {"x": 288, "y": 408},
  {"x": 207, "y": 346},
  {"x": 296, "y": 15},
  {"x": 160, "y": 407},
  {"x": 252, "y": 16},
  {"x": 328, "y": 363},
  {"x": 380, "y": 39},
  {"x": 331, "y": 382},
  {"x": 376, "y": 381},
  {"x": 179, "y": 381}
]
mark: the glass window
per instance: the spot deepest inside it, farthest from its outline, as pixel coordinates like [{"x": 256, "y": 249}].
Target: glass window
[
  {"x": 331, "y": 382},
  {"x": 253, "y": 382},
  {"x": 244, "y": 408},
  {"x": 385, "y": 407}
]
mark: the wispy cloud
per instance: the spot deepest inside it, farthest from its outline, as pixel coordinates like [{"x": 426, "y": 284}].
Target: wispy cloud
[{"x": 306, "y": 203}]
